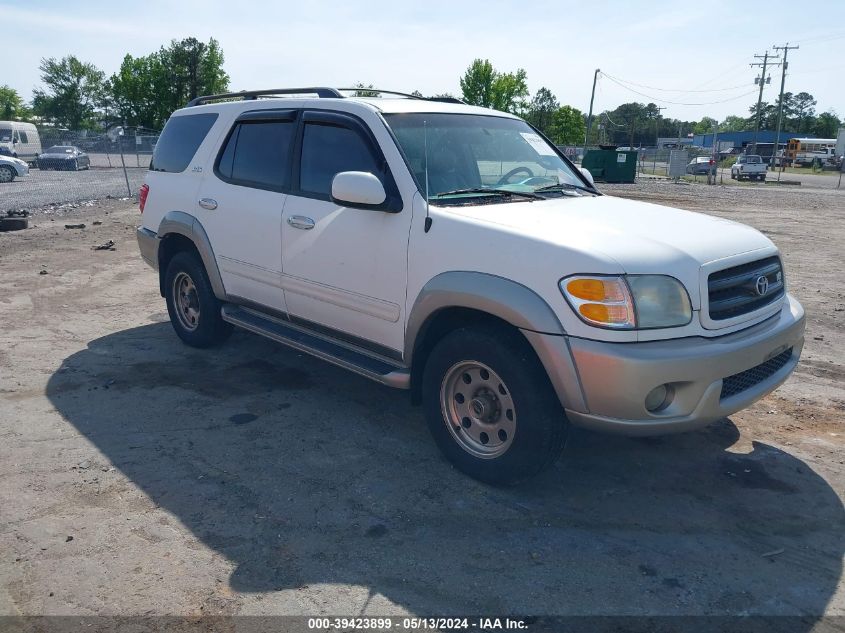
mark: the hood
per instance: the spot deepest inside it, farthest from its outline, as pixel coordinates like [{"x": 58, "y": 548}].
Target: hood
[
  {"x": 56, "y": 155},
  {"x": 641, "y": 237}
]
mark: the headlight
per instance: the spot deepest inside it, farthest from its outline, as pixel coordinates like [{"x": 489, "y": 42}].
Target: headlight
[{"x": 628, "y": 302}]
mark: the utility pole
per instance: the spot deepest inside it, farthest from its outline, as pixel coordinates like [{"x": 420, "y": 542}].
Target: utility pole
[
  {"x": 784, "y": 66},
  {"x": 656, "y": 124},
  {"x": 656, "y": 139},
  {"x": 590, "y": 115},
  {"x": 762, "y": 81}
]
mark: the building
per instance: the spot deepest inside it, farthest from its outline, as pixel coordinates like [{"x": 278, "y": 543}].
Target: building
[
  {"x": 671, "y": 142},
  {"x": 742, "y": 140}
]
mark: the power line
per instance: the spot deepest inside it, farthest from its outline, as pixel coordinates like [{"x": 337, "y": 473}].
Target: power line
[
  {"x": 680, "y": 103},
  {"x": 625, "y": 81},
  {"x": 733, "y": 70},
  {"x": 823, "y": 38}
]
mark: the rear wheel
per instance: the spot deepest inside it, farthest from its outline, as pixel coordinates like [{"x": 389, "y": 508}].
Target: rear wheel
[
  {"x": 490, "y": 406},
  {"x": 194, "y": 310}
]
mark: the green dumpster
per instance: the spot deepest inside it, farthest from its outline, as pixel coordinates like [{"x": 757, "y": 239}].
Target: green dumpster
[{"x": 610, "y": 165}]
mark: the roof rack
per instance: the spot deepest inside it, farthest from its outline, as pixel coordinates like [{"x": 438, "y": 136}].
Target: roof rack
[{"x": 321, "y": 92}]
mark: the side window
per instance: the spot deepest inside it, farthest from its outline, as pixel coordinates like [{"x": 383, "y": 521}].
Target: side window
[
  {"x": 257, "y": 154},
  {"x": 180, "y": 140},
  {"x": 328, "y": 150},
  {"x": 24, "y": 139}
]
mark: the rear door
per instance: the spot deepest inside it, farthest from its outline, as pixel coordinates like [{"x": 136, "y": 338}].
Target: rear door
[{"x": 240, "y": 204}]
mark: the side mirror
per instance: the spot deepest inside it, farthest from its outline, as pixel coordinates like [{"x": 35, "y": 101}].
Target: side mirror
[
  {"x": 588, "y": 175},
  {"x": 357, "y": 188}
]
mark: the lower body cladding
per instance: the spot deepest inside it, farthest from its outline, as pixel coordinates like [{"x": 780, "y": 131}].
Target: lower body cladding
[{"x": 671, "y": 385}]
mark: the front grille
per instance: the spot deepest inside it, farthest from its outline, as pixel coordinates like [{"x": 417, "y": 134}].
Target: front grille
[
  {"x": 736, "y": 291},
  {"x": 738, "y": 383}
]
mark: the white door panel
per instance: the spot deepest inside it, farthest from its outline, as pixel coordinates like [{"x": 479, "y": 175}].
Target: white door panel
[
  {"x": 349, "y": 272},
  {"x": 245, "y": 230}
]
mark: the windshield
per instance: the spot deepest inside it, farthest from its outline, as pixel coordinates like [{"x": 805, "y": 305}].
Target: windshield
[
  {"x": 59, "y": 149},
  {"x": 469, "y": 152},
  {"x": 5, "y": 135}
]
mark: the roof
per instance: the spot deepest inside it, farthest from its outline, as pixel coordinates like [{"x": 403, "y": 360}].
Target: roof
[
  {"x": 326, "y": 97},
  {"x": 393, "y": 106}
]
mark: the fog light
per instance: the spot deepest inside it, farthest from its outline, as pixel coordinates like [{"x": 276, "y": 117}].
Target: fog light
[{"x": 658, "y": 398}]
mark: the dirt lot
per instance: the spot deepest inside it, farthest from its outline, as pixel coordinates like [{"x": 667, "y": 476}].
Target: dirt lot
[{"x": 138, "y": 476}]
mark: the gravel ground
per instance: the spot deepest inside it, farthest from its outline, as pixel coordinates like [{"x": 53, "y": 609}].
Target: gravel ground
[
  {"x": 138, "y": 476},
  {"x": 42, "y": 188}
]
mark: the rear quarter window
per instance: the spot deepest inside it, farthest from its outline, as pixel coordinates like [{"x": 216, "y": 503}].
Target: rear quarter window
[{"x": 180, "y": 140}]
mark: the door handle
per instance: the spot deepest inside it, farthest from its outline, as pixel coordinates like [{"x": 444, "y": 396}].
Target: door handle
[
  {"x": 301, "y": 222},
  {"x": 207, "y": 203}
]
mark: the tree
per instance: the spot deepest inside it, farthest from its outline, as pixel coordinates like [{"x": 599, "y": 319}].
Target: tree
[
  {"x": 146, "y": 90},
  {"x": 768, "y": 116},
  {"x": 135, "y": 94},
  {"x": 804, "y": 105},
  {"x": 567, "y": 126},
  {"x": 826, "y": 125},
  {"x": 541, "y": 110},
  {"x": 196, "y": 68},
  {"x": 12, "y": 107},
  {"x": 706, "y": 126},
  {"x": 631, "y": 117},
  {"x": 733, "y": 123},
  {"x": 74, "y": 92},
  {"x": 477, "y": 83},
  {"x": 484, "y": 86}
]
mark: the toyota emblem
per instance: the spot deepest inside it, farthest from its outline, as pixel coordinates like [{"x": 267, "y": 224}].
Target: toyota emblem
[{"x": 762, "y": 285}]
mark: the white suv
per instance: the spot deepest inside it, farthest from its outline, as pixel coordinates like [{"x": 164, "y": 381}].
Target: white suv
[{"x": 454, "y": 251}]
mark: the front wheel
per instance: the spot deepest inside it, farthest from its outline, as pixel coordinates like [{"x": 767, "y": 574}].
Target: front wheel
[
  {"x": 194, "y": 310},
  {"x": 490, "y": 406},
  {"x": 7, "y": 174}
]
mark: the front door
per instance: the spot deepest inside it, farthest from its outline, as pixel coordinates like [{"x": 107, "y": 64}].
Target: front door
[{"x": 344, "y": 268}]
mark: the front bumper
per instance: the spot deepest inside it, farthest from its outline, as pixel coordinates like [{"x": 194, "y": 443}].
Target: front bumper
[
  {"x": 148, "y": 245},
  {"x": 22, "y": 170},
  {"x": 603, "y": 385},
  {"x": 60, "y": 164}
]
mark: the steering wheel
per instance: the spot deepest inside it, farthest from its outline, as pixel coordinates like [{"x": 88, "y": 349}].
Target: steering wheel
[{"x": 513, "y": 172}]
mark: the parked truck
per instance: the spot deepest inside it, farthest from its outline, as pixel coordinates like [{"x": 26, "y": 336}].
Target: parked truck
[{"x": 748, "y": 167}]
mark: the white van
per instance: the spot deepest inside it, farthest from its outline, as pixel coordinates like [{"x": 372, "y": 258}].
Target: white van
[{"x": 21, "y": 139}]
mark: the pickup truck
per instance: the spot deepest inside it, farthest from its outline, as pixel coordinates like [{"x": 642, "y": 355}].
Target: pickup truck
[
  {"x": 455, "y": 252},
  {"x": 748, "y": 167}
]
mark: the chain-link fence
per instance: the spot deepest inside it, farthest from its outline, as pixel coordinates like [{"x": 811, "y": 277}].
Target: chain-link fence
[{"x": 110, "y": 164}]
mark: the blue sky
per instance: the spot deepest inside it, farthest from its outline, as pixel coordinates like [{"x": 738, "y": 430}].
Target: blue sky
[{"x": 667, "y": 46}]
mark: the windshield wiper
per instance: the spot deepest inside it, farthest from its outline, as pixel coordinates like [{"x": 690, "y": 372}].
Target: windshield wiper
[
  {"x": 564, "y": 186},
  {"x": 492, "y": 191}
]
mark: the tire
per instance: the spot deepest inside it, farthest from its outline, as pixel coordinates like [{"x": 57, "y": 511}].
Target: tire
[
  {"x": 7, "y": 174},
  {"x": 13, "y": 224},
  {"x": 523, "y": 430},
  {"x": 74, "y": 166},
  {"x": 194, "y": 310}
]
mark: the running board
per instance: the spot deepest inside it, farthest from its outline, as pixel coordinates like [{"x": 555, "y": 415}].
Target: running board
[{"x": 298, "y": 338}]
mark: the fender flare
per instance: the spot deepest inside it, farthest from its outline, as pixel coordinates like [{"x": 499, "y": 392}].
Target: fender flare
[
  {"x": 187, "y": 225},
  {"x": 509, "y": 300}
]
